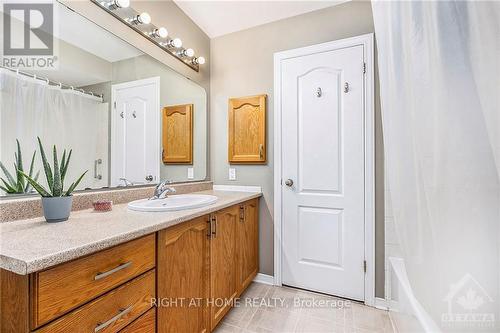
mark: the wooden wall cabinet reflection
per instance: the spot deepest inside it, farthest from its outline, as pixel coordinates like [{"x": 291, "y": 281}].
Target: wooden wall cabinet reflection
[{"x": 177, "y": 136}]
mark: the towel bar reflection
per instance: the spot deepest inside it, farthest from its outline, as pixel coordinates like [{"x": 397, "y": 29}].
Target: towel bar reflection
[{"x": 97, "y": 175}]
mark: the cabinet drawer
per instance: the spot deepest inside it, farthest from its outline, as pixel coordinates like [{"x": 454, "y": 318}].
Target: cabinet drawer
[
  {"x": 144, "y": 324},
  {"x": 111, "y": 312},
  {"x": 60, "y": 289}
]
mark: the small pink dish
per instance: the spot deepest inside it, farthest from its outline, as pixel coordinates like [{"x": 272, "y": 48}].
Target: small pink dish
[{"x": 103, "y": 205}]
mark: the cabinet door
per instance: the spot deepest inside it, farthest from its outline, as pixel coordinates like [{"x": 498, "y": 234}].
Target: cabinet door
[
  {"x": 223, "y": 262},
  {"x": 248, "y": 242},
  {"x": 183, "y": 277},
  {"x": 247, "y": 130},
  {"x": 177, "y": 134}
]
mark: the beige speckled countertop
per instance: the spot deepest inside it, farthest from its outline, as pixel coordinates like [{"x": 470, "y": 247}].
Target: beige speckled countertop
[{"x": 27, "y": 246}]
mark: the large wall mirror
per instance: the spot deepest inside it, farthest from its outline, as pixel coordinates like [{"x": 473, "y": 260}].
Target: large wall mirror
[{"x": 128, "y": 118}]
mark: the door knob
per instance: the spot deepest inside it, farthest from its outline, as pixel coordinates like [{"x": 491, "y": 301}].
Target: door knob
[
  {"x": 149, "y": 178},
  {"x": 289, "y": 182}
]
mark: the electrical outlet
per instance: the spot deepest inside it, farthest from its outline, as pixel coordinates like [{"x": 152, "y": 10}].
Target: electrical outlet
[
  {"x": 190, "y": 173},
  {"x": 232, "y": 174}
]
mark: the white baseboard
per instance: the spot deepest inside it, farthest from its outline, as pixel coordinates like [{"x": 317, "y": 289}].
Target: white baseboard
[
  {"x": 237, "y": 188},
  {"x": 381, "y": 303},
  {"x": 264, "y": 278}
]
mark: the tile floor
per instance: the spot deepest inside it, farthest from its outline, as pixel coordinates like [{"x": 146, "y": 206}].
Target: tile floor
[{"x": 264, "y": 308}]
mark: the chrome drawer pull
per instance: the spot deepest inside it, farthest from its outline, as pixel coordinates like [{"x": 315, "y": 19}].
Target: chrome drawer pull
[
  {"x": 114, "y": 270},
  {"x": 121, "y": 313}
]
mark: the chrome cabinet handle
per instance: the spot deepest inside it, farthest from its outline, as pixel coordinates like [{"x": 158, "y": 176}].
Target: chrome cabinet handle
[
  {"x": 121, "y": 313},
  {"x": 346, "y": 87},
  {"x": 214, "y": 225},
  {"x": 209, "y": 229},
  {"x": 102, "y": 275},
  {"x": 149, "y": 178},
  {"x": 242, "y": 213},
  {"x": 289, "y": 182}
]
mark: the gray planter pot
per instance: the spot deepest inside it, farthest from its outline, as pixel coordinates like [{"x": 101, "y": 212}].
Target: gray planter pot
[{"x": 56, "y": 209}]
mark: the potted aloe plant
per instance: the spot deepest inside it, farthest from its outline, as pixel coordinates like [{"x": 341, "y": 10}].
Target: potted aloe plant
[
  {"x": 16, "y": 185},
  {"x": 56, "y": 201}
]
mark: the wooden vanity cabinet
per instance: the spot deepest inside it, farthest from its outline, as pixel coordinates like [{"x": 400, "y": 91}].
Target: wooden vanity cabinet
[
  {"x": 144, "y": 324},
  {"x": 194, "y": 270},
  {"x": 223, "y": 262},
  {"x": 57, "y": 290},
  {"x": 102, "y": 292},
  {"x": 213, "y": 258},
  {"x": 184, "y": 277},
  {"x": 247, "y": 243},
  {"x": 110, "y": 312}
]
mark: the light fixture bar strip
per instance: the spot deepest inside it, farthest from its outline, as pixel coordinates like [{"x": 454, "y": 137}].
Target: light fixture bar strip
[{"x": 141, "y": 23}]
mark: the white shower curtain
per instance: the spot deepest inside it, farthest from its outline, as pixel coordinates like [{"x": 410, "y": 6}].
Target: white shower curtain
[
  {"x": 440, "y": 94},
  {"x": 62, "y": 117}
]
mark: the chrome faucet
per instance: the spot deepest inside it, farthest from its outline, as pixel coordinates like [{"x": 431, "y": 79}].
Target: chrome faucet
[
  {"x": 126, "y": 182},
  {"x": 163, "y": 190}
]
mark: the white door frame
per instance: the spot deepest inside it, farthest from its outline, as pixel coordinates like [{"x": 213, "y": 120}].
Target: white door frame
[
  {"x": 130, "y": 84},
  {"x": 369, "y": 132}
]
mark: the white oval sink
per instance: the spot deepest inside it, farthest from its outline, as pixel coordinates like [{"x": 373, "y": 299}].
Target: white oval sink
[{"x": 173, "y": 202}]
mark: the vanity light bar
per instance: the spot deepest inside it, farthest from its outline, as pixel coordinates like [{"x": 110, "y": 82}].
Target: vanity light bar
[{"x": 141, "y": 23}]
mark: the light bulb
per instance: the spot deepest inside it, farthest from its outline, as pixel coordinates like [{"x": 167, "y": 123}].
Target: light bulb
[
  {"x": 143, "y": 18},
  {"x": 114, "y": 4},
  {"x": 173, "y": 43},
  {"x": 121, "y": 3},
  {"x": 159, "y": 33},
  {"x": 187, "y": 53},
  {"x": 177, "y": 42},
  {"x": 200, "y": 60}
]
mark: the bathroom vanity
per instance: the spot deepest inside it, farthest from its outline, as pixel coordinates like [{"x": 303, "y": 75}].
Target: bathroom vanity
[{"x": 126, "y": 271}]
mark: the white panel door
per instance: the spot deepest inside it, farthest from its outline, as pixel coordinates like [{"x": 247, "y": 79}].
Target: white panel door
[
  {"x": 323, "y": 155},
  {"x": 135, "y": 135}
]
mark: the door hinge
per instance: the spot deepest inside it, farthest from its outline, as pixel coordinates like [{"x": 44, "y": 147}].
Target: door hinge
[
  {"x": 114, "y": 105},
  {"x": 364, "y": 68},
  {"x": 364, "y": 266}
]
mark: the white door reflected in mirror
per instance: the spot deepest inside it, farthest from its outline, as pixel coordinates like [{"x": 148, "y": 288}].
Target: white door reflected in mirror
[{"x": 135, "y": 135}]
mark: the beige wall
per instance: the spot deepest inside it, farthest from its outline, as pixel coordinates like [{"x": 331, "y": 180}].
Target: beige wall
[{"x": 242, "y": 64}]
